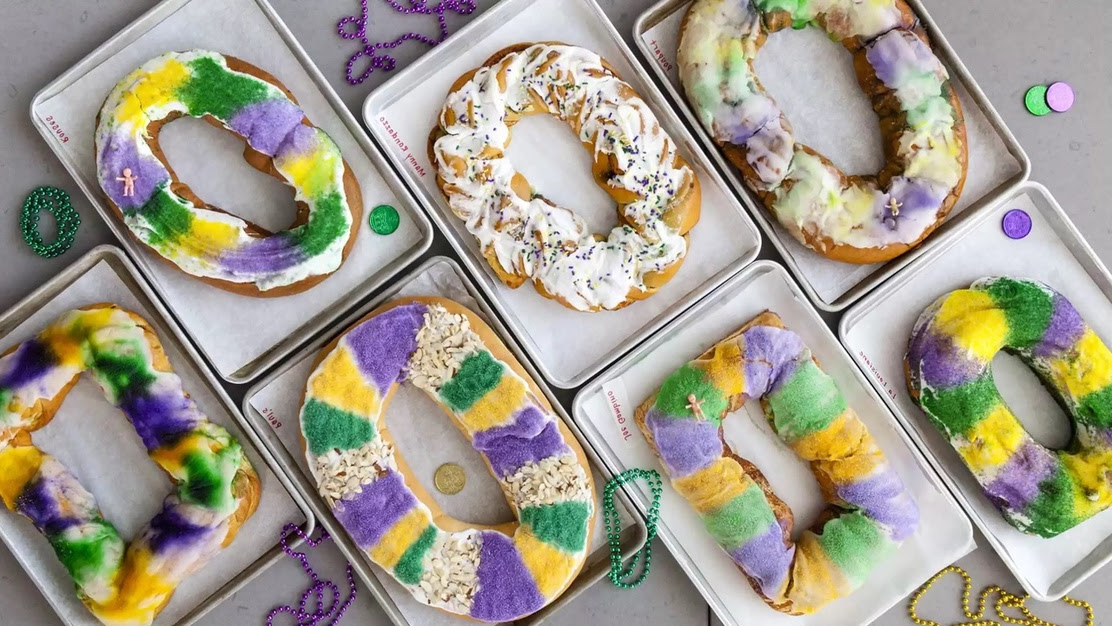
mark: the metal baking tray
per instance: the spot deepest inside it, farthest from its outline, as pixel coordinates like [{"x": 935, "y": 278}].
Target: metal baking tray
[
  {"x": 783, "y": 242},
  {"x": 172, "y": 285},
  {"x": 724, "y": 241},
  {"x": 597, "y": 564},
  {"x": 876, "y": 331},
  {"x": 605, "y": 408},
  {"x": 59, "y": 593}
]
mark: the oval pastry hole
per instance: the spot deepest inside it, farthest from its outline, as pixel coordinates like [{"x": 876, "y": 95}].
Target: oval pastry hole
[
  {"x": 847, "y": 132},
  {"x": 1032, "y": 403},
  {"x": 552, "y": 178},
  {"x": 256, "y": 197},
  {"x": 749, "y": 436},
  {"x": 430, "y": 440}
]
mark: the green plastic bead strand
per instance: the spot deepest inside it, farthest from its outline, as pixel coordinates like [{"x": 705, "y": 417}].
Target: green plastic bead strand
[
  {"x": 619, "y": 575},
  {"x": 57, "y": 203}
]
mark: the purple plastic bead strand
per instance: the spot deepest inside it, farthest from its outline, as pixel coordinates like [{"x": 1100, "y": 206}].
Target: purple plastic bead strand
[
  {"x": 384, "y": 60},
  {"x": 335, "y": 610}
]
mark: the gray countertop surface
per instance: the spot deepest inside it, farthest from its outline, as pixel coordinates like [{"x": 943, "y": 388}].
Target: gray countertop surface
[{"x": 1008, "y": 46}]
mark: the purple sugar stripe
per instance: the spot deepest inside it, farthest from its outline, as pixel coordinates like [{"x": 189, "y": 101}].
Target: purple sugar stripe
[
  {"x": 883, "y": 498},
  {"x": 507, "y": 590},
  {"x": 1064, "y": 330},
  {"x": 300, "y": 141},
  {"x": 1017, "y": 484},
  {"x": 119, "y": 151},
  {"x": 168, "y": 530},
  {"x": 266, "y": 125},
  {"x": 685, "y": 445},
  {"x": 892, "y": 56},
  {"x": 370, "y": 514},
  {"x": 30, "y": 361},
  {"x": 937, "y": 362},
  {"x": 262, "y": 256},
  {"x": 39, "y": 505},
  {"x": 530, "y": 437},
  {"x": 160, "y": 419},
  {"x": 766, "y": 558},
  {"x": 770, "y": 358},
  {"x": 383, "y": 344}
]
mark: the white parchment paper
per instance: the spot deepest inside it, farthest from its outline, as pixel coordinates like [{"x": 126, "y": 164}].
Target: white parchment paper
[
  {"x": 822, "y": 100},
  {"x": 606, "y": 412},
  {"x": 425, "y": 438},
  {"x": 876, "y": 334},
  {"x": 567, "y": 345},
  {"x": 210, "y": 161},
  {"x": 96, "y": 442}
]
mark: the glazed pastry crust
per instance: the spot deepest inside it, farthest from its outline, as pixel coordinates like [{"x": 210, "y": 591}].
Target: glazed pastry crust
[
  {"x": 494, "y": 345},
  {"x": 682, "y": 214},
  {"x": 893, "y": 121},
  {"x": 264, "y": 164}
]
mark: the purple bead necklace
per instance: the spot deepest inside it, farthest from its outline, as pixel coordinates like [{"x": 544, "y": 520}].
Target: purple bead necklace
[
  {"x": 384, "y": 60},
  {"x": 335, "y": 610}
]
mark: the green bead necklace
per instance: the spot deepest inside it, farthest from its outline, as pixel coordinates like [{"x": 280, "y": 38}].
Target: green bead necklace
[
  {"x": 57, "y": 203},
  {"x": 618, "y": 574}
]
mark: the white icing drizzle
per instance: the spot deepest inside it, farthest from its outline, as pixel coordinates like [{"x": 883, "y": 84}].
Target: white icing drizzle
[{"x": 531, "y": 236}]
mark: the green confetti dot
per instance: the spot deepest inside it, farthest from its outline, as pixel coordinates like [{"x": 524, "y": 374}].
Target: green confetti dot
[
  {"x": 1036, "y": 101},
  {"x": 384, "y": 219}
]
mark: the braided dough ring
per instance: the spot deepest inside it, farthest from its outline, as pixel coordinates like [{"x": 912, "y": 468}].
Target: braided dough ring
[
  {"x": 494, "y": 573},
  {"x": 855, "y": 219},
  {"x": 203, "y": 240},
  {"x": 216, "y": 487},
  {"x": 949, "y": 374},
  {"x": 869, "y": 514},
  {"x": 522, "y": 234}
]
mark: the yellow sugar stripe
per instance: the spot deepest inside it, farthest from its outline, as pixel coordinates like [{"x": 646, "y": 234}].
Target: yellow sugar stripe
[
  {"x": 725, "y": 369},
  {"x": 142, "y": 591},
  {"x": 837, "y": 441},
  {"x": 713, "y": 486},
  {"x": 497, "y": 406},
  {"x": 551, "y": 567},
  {"x": 154, "y": 90},
  {"x": 974, "y": 322},
  {"x": 17, "y": 467},
  {"x": 1086, "y": 370},
  {"x": 993, "y": 440},
  {"x": 339, "y": 383},
  {"x": 389, "y": 550},
  {"x": 1090, "y": 472},
  {"x": 211, "y": 236},
  {"x": 816, "y": 580}
]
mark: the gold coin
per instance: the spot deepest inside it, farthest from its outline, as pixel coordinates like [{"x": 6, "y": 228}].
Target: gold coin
[{"x": 450, "y": 479}]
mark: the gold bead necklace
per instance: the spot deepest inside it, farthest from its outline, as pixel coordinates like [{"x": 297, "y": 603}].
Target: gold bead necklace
[{"x": 1006, "y": 600}]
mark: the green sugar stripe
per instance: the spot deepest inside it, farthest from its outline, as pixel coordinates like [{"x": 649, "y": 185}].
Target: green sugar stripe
[
  {"x": 958, "y": 409},
  {"x": 807, "y": 403},
  {"x": 1052, "y": 511},
  {"x": 325, "y": 428},
  {"x": 215, "y": 90},
  {"x": 327, "y": 223},
  {"x": 125, "y": 373},
  {"x": 167, "y": 218},
  {"x": 1094, "y": 409},
  {"x": 409, "y": 570},
  {"x": 795, "y": 7},
  {"x": 563, "y": 524},
  {"x": 1026, "y": 306},
  {"x": 87, "y": 556},
  {"x": 745, "y": 517},
  {"x": 690, "y": 380},
  {"x": 205, "y": 483},
  {"x": 478, "y": 374},
  {"x": 855, "y": 544}
]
